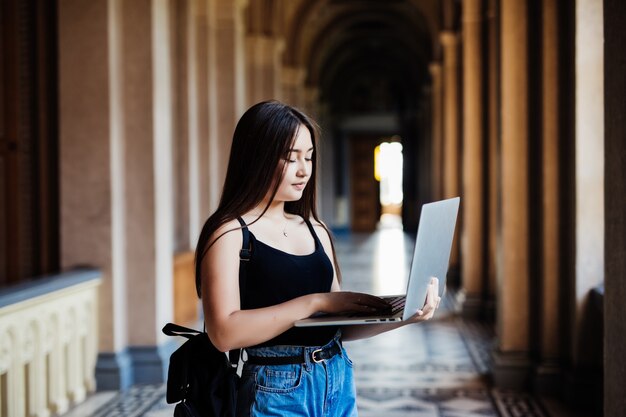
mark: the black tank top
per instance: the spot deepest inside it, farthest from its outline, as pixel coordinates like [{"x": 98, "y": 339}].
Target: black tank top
[{"x": 272, "y": 277}]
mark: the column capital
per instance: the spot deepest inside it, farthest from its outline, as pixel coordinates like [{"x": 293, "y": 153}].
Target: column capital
[
  {"x": 450, "y": 44},
  {"x": 434, "y": 68},
  {"x": 293, "y": 76},
  {"x": 228, "y": 9},
  {"x": 241, "y": 4},
  {"x": 449, "y": 38},
  {"x": 311, "y": 93},
  {"x": 269, "y": 42},
  {"x": 280, "y": 45}
]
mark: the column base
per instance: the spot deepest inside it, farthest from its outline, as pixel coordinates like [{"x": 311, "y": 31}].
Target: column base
[
  {"x": 511, "y": 370},
  {"x": 134, "y": 365},
  {"x": 475, "y": 306},
  {"x": 113, "y": 371},
  {"x": 150, "y": 363},
  {"x": 453, "y": 277},
  {"x": 548, "y": 378}
]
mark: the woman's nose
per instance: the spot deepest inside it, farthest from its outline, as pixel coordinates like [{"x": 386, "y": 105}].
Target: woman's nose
[{"x": 303, "y": 169}]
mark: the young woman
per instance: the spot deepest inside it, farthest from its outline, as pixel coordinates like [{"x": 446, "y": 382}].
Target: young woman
[{"x": 269, "y": 200}]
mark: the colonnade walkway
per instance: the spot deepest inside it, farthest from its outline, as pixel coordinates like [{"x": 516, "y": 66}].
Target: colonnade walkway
[{"x": 433, "y": 369}]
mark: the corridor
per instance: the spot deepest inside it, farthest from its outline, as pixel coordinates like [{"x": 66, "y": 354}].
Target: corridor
[
  {"x": 437, "y": 369},
  {"x": 116, "y": 125}
]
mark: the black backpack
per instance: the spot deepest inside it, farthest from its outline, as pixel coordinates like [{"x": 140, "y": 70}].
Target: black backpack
[{"x": 200, "y": 378}]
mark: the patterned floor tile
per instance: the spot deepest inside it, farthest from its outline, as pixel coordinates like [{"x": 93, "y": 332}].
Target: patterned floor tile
[
  {"x": 465, "y": 404},
  {"x": 134, "y": 402},
  {"x": 513, "y": 404}
]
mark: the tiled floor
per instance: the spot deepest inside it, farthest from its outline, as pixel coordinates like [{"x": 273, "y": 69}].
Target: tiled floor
[{"x": 434, "y": 369}]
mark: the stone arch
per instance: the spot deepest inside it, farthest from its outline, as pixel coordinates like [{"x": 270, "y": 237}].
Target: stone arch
[
  {"x": 368, "y": 57},
  {"x": 265, "y": 17},
  {"x": 350, "y": 32},
  {"x": 404, "y": 14}
]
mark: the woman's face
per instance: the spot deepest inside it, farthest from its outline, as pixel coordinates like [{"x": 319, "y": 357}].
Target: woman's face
[{"x": 298, "y": 167}]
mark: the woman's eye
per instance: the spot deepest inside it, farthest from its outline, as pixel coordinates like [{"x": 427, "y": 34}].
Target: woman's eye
[{"x": 287, "y": 159}]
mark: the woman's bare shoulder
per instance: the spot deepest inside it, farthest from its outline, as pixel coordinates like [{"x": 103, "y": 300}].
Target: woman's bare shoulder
[
  {"x": 317, "y": 223},
  {"x": 227, "y": 234},
  {"x": 320, "y": 226}
]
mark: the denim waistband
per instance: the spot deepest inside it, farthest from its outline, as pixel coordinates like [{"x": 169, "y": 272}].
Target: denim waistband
[{"x": 289, "y": 350}]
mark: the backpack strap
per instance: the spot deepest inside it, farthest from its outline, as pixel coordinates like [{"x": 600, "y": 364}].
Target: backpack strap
[
  {"x": 244, "y": 256},
  {"x": 171, "y": 329},
  {"x": 245, "y": 252}
]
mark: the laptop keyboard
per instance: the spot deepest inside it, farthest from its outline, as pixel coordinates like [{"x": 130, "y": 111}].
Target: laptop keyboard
[{"x": 397, "y": 303}]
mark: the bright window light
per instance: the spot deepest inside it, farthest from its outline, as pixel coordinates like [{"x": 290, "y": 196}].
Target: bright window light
[{"x": 388, "y": 170}]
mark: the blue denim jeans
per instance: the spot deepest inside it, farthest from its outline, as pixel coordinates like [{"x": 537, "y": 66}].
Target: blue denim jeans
[{"x": 324, "y": 389}]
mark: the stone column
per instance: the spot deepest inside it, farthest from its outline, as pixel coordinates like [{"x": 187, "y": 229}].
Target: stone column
[
  {"x": 260, "y": 68},
  {"x": 277, "y": 65},
  {"x": 615, "y": 220},
  {"x": 589, "y": 163},
  {"x": 311, "y": 103},
  {"x": 473, "y": 268},
  {"x": 229, "y": 71},
  {"x": 437, "y": 137},
  {"x": 147, "y": 67},
  {"x": 183, "y": 75},
  {"x": 92, "y": 170},
  {"x": 511, "y": 358},
  {"x": 293, "y": 85},
  {"x": 451, "y": 143},
  {"x": 198, "y": 115},
  {"x": 254, "y": 58},
  {"x": 493, "y": 148},
  {"x": 212, "y": 155},
  {"x": 548, "y": 370},
  {"x": 586, "y": 347}
]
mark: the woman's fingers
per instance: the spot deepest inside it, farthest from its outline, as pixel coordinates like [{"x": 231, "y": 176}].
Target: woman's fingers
[
  {"x": 432, "y": 297},
  {"x": 370, "y": 301},
  {"x": 344, "y": 301},
  {"x": 431, "y": 303}
]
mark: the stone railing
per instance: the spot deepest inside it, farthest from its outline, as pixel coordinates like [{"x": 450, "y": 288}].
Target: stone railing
[{"x": 48, "y": 343}]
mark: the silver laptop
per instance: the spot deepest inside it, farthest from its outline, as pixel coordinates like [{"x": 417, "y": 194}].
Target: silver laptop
[{"x": 430, "y": 259}]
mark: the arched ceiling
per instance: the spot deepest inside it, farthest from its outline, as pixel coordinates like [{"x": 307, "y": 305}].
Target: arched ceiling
[
  {"x": 363, "y": 51},
  {"x": 306, "y": 19}
]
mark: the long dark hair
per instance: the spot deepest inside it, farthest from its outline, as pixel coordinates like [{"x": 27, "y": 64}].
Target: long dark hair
[{"x": 261, "y": 141}]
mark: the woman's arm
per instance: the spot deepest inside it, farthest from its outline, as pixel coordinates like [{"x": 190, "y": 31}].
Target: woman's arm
[
  {"x": 229, "y": 327},
  {"x": 355, "y": 332}
]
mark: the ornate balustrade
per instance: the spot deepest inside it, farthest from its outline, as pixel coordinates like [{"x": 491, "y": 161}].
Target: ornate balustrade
[{"x": 48, "y": 343}]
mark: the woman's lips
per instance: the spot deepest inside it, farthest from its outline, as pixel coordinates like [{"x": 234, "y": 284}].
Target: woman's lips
[{"x": 300, "y": 186}]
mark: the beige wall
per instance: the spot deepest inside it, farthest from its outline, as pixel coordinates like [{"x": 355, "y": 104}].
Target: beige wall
[
  {"x": 91, "y": 152},
  {"x": 589, "y": 152}
]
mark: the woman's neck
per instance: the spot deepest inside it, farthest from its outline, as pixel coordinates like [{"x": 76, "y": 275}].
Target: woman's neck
[{"x": 275, "y": 210}]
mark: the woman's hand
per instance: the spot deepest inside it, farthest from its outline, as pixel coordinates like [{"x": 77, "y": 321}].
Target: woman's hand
[
  {"x": 352, "y": 302},
  {"x": 432, "y": 303}
]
